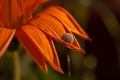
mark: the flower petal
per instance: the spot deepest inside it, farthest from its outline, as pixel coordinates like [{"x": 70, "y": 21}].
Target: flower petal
[
  {"x": 29, "y": 6},
  {"x": 6, "y": 36},
  {"x": 39, "y": 46},
  {"x": 15, "y": 12},
  {"x": 66, "y": 18},
  {"x": 4, "y": 11},
  {"x": 10, "y": 13},
  {"x": 55, "y": 29}
]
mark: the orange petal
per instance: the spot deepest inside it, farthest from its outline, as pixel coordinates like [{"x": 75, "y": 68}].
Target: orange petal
[
  {"x": 15, "y": 12},
  {"x": 54, "y": 28},
  {"x": 39, "y": 46},
  {"x": 10, "y": 12},
  {"x": 4, "y": 11},
  {"x": 6, "y": 36},
  {"x": 66, "y": 18},
  {"x": 29, "y": 6}
]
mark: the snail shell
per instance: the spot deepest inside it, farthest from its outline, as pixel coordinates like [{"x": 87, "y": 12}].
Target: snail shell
[{"x": 68, "y": 38}]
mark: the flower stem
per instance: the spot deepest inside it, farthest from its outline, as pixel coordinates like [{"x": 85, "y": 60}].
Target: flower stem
[
  {"x": 16, "y": 65},
  {"x": 69, "y": 66}
]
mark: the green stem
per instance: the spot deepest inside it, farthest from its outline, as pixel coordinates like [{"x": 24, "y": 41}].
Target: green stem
[
  {"x": 16, "y": 65},
  {"x": 69, "y": 66}
]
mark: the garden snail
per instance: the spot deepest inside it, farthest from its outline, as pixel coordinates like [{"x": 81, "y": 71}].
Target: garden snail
[{"x": 68, "y": 38}]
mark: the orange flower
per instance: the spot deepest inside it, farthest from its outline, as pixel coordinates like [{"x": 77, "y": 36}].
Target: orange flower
[{"x": 36, "y": 33}]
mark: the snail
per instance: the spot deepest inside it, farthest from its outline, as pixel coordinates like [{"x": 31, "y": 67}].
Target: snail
[{"x": 68, "y": 38}]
